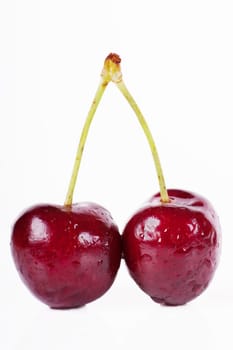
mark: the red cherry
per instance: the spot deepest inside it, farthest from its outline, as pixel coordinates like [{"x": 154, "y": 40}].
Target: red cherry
[
  {"x": 171, "y": 245},
  {"x": 172, "y": 249},
  {"x": 67, "y": 256}
]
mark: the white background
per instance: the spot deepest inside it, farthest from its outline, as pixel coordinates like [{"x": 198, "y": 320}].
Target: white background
[{"x": 177, "y": 61}]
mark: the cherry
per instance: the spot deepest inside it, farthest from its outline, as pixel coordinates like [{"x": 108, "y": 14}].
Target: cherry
[
  {"x": 171, "y": 245},
  {"x": 68, "y": 255},
  {"x": 172, "y": 249}
]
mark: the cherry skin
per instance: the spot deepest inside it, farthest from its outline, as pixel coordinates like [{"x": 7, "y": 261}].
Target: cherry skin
[
  {"x": 67, "y": 256},
  {"x": 172, "y": 249}
]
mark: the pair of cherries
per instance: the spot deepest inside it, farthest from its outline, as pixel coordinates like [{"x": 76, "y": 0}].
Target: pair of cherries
[{"x": 68, "y": 255}]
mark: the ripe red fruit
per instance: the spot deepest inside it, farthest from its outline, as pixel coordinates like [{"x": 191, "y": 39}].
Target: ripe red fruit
[
  {"x": 67, "y": 256},
  {"x": 172, "y": 249}
]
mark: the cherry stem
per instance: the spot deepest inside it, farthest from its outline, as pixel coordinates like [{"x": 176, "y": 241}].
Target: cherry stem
[
  {"x": 112, "y": 72},
  {"x": 99, "y": 93},
  {"x": 116, "y": 72},
  {"x": 109, "y": 73},
  {"x": 163, "y": 190}
]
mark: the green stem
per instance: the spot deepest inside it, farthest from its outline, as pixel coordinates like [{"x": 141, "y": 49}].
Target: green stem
[
  {"x": 110, "y": 72},
  {"x": 163, "y": 190},
  {"x": 99, "y": 93}
]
